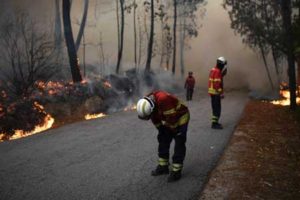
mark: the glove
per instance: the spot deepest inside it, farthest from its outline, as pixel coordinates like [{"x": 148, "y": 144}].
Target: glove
[{"x": 222, "y": 96}]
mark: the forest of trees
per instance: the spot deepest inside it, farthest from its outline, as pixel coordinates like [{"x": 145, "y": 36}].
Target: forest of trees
[
  {"x": 162, "y": 27},
  {"x": 270, "y": 27},
  {"x": 31, "y": 56}
]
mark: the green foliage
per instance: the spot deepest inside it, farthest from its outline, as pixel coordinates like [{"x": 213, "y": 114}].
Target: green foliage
[{"x": 260, "y": 23}]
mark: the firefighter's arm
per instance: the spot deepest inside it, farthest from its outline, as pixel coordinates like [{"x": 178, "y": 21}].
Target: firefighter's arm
[{"x": 156, "y": 121}]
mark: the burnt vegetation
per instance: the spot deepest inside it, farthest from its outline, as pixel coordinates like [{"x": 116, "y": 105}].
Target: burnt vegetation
[{"x": 38, "y": 68}]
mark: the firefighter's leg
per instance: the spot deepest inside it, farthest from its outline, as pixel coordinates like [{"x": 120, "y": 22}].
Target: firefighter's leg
[
  {"x": 179, "y": 153},
  {"x": 187, "y": 94},
  {"x": 164, "y": 141},
  {"x": 191, "y": 93},
  {"x": 216, "y": 108}
]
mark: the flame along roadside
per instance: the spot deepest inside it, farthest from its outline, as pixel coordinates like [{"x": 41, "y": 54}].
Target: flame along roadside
[
  {"x": 286, "y": 101},
  {"x": 45, "y": 125},
  {"x": 49, "y": 121}
]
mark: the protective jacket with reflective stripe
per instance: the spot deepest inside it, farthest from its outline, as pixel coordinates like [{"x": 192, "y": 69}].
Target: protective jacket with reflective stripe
[
  {"x": 168, "y": 111},
  {"x": 215, "y": 86}
]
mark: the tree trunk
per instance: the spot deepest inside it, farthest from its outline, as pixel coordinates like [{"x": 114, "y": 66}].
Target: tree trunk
[
  {"x": 73, "y": 59},
  {"x": 298, "y": 65},
  {"x": 275, "y": 59},
  {"x": 266, "y": 64},
  {"x": 118, "y": 22},
  {"x": 58, "y": 32},
  {"x": 150, "y": 44},
  {"x": 182, "y": 40},
  {"x": 174, "y": 37},
  {"x": 289, "y": 41},
  {"x": 134, "y": 30},
  {"x": 162, "y": 45},
  {"x": 140, "y": 43},
  {"x": 120, "y": 53},
  {"x": 82, "y": 24}
]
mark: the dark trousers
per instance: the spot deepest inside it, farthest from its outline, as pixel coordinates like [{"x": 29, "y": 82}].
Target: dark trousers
[
  {"x": 165, "y": 137},
  {"x": 216, "y": 108},
  {"x": 189, "y": 93}
]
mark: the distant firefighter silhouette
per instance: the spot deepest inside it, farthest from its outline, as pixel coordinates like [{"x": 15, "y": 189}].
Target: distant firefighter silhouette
[{"x": 189, "y": 86}]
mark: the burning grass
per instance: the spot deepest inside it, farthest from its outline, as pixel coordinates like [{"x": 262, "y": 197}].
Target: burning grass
[
  {"x": 23, "y": 118},
  {"x": 53, "y": 104},
  {"x": 285, "y": 96},
  {"x": 94, "y": 116},
  {"x": 285, "y": 101}
]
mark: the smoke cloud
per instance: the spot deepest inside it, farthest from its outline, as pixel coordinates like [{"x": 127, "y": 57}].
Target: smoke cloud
[{"x": 215, "y": 38}]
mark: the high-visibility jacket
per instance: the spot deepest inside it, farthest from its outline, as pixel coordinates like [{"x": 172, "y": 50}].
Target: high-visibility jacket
[
  {"x": 215, "y": 85},
  {"x": 168, "y": 111},
  {"x": 189, "y": 82}
]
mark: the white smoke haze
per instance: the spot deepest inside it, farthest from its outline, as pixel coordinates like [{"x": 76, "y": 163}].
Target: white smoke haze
[{"x": 216, "y": 38}]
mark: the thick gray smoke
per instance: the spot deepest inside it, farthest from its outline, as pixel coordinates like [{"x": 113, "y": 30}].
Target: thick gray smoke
[{"x": 215, "y": 39}]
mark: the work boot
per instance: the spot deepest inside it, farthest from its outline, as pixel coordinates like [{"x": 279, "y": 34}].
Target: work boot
[
  {"x": 174, "y": 176},
  {"x": 216, "y": 125},
  {"x": 160, "y": 170}
]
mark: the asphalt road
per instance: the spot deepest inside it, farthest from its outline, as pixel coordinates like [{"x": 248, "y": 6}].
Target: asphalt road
[{"x": 112, "y": 157}]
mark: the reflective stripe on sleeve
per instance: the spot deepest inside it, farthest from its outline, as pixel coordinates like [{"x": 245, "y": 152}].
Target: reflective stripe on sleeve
[
  {"x": 215, "y": 79},
  {"x": 182, "y": 120},
  {"x": 212, "y": 91},
  {"x": 170, "y": 112},
  {"x": 173, "y": 110}
]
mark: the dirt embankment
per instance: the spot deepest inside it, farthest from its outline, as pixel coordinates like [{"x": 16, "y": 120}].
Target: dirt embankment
[{"x": 262, "y": 160}]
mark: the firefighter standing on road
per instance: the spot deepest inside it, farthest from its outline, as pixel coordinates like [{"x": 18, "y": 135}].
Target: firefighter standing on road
[
  {"x": 215, "y": 89},
  {"x": 189, "y": 86},
  {"x": 171, "y": 119}
]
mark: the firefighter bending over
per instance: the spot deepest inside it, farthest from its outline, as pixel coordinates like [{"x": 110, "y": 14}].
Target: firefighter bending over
[
  {"x": 171, "y": 118},
  {"x": 189, "y": 86},
  {"x": 215, "y": 90}
]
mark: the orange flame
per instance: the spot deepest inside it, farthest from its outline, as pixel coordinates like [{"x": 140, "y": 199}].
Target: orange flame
[
  {"x": 84, "y": 81},
  {"x": 132, "y": 107},
  {"x": 94, "y": 116},
  {"x": 45, "y": 125},
  {"x": 286, "y": 101}
]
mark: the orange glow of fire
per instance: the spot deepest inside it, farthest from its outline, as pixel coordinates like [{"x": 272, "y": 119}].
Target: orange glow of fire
[
  {"x": 132, "y": 107},
  {"x": 107, "y": 84},
  {"x": 84, "y": 81},
  {"x": 286, "y": 101},
  {"x": 94, "y": 116},
  {"x": 45, "y": 125},
  {"x": 1, "y": 111}
]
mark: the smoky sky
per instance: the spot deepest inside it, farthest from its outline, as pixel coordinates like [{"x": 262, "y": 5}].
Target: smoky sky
[{"x": 215, "y": 39}]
